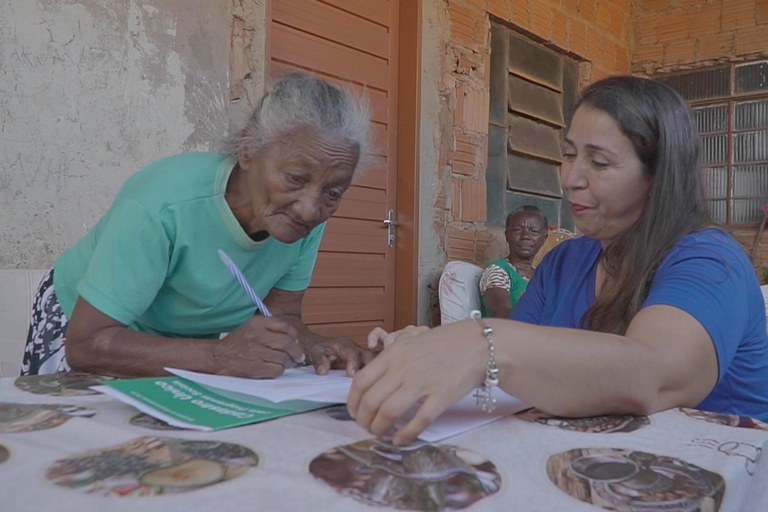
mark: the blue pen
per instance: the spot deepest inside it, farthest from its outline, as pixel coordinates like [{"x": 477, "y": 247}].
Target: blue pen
[{"x": 244, "y": 283}]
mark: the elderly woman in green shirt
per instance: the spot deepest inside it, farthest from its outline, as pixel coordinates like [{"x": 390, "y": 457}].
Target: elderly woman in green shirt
[
  {"x": 145, "y": 288},
  {"x": 504, "y": 280}
]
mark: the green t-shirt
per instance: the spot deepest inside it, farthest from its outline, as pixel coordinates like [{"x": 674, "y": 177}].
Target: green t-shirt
[
  {"x": 151, "y": 262},
  {"x": 517, "y": 284}
]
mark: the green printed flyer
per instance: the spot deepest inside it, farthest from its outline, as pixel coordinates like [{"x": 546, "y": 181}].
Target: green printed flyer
[{"x": 185, "y": 404}]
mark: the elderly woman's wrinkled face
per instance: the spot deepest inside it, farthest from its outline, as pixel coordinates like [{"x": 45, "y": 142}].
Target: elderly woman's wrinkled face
[
  {"x": 297, "y": 182},
  {"x": 602, "y": 176},
  {"x": 525, "y": 234}
]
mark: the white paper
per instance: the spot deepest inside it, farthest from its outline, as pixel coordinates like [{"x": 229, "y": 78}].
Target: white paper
[
  {"x": 305, "y": 384},
  {"x": 293, "y": 384},
  {"x": 465, "y": 415}
]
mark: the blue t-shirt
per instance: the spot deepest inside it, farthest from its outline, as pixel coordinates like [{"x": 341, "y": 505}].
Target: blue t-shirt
[{"x": 706, "y": 274}]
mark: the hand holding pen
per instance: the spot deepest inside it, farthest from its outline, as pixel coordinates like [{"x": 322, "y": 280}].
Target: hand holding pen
[
  {"x": 323, "y": 352},
  {"x": 263, "y": 346}
]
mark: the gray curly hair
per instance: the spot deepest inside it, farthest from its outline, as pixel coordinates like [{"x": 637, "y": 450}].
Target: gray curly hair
[{"x": 298, "y": 100}]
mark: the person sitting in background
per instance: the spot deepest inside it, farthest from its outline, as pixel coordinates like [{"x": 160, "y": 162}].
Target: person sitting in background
[
  {"x": 504, "y": 280},
  {"x": 653, "y": 307},
  {"x": 145, "y": 288}
]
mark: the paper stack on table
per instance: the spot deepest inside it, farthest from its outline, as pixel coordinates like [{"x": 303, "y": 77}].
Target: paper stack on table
[{"x": 212, "y": 402}]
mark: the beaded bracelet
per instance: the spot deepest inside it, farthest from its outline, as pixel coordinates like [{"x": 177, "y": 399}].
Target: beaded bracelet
[{"x": 483, "y": 394}]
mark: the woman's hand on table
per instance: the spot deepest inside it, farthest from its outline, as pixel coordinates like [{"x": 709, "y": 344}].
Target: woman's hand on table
[
  {"x": 424, "y": 370},
  {"x": 260, "y": 348}
]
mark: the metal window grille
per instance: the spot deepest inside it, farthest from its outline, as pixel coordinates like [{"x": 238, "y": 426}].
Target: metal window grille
[
  {"x": 730, "y": 105},
  {"x": 531, "y": 92}
]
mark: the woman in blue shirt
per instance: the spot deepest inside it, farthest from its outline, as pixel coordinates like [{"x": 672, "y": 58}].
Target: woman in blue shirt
[{"x": 653, "y": 307}]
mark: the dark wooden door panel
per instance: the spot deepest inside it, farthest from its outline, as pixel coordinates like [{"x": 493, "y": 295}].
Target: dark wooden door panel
[{"x": 353, "y": 43}]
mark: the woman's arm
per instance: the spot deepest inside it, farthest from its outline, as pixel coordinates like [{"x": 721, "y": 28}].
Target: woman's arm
[
  {"x": 495, "y": 284},
  {"x": 323, "y": 352},
  {"x": 666, "y": 359},
  {"x": 96, "y": 343}
]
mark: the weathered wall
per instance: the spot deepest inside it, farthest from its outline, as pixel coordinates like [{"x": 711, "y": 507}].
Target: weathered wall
[
  {"x": 92, "y": 90},
  {"x": 597, "y": 32},
  {"x": 455, "y": 120},
  {"x": 679, "y": 35},
  {"x": 432, "y": 126}
]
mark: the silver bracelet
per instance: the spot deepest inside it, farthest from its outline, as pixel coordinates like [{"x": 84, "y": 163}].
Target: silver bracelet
[{"x": 483, "y": 394}]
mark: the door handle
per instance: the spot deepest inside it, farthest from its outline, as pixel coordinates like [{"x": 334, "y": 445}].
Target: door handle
[{"x": 390, "y": 223}]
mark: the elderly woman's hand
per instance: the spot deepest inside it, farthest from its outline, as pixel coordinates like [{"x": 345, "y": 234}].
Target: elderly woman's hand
[
  {"x": 379, "y": 339},
  {"x": 327, "y": 353},
  {"x": 260, "y": 348}
]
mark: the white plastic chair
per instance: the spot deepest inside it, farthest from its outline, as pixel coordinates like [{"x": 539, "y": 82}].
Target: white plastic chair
[{"x": 458, "y": 291}]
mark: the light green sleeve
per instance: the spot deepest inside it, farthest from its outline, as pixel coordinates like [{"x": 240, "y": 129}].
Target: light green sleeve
[{"x": 129, "y": 263}]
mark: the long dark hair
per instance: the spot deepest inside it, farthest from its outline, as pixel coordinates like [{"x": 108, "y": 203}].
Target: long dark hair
[{"x": 661, "y": 128}]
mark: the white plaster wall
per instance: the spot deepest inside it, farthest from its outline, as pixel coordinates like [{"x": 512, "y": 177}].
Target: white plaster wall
[
  {"x": 90, "y": 92},
  {"x": 431, "y": 252}
]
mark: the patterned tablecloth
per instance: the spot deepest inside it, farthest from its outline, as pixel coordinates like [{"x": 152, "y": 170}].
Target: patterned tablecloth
[{"x": 63, "y": 448}]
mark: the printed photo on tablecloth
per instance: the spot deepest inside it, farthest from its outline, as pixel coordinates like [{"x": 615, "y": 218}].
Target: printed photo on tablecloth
[
  {"x": 729, "y": 420},
  {"x": 60, "y": 384},
  {"x": 592, "y": 425},
  {"x": 150, "y": 422},
  {"x": 15, "y": 417},
  {"x": 338, "y": 412},
  {"x": 419, "y": 476},
  {"x": 4, "y": 454},
  {"x": 633, "y": 481},
  {"x": 148, "y": 466}
]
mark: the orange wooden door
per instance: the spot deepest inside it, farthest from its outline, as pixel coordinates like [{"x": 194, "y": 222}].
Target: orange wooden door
[{"x": 353, "y": 42}]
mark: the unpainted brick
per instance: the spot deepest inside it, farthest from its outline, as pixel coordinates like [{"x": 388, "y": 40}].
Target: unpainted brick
[
  {"x": 577, "y": 36},
  {"x": 500, "y": 8},
  {"x": 521, "y": 13},
  {"x": 712, "y": 46},
  {"x": 644, "y": 27},
  {"x": 559, "y": 28},
  {"x": 464, "y": 168},
  {"x": 752, "y": 40},
  {"x": 761, "y": 13},
  {"x": 570, "y": 6},
  {"x": 673, "y": 26},
  {"x": 461, "y": 232},
  {"x": 603, "y": 16},
  {"x": 738, "y": 14},
  {"x": 462, "y": 24},
  {"x": 588, "y": 10},
  {"x": 654, "y": 5},
  {"x": 541, "y": 20},
  {"x": 706, "y": 19},
  {"x": 679, "y": 51}
]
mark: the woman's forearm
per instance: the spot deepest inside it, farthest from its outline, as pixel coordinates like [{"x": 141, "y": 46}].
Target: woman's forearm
[
  {"x": 574, "y": 372},
  {"x": 120, "y": 352}
]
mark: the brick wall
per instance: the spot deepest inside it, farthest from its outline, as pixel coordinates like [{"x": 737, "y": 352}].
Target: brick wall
[
  {"x": 693, "y": 33},
  {"x": 610, "y": 36},
  {"x": 687, "y": 34},
  {"x": 595, "y": 31}
]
